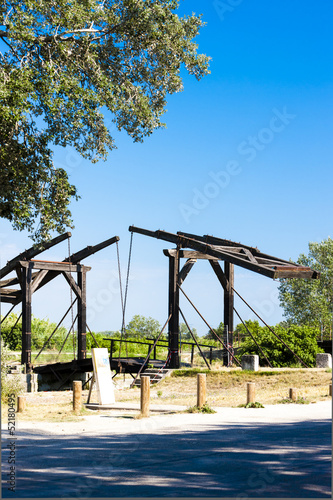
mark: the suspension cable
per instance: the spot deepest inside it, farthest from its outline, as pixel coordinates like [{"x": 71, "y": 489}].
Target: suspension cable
[
  {"x": 69, "y": 331},
  {"x": 226, "y": 347},
  {"x": 10, "y": 310},
  {"x": 254, "y": 340},
  {"x": 276, "y": 335},
  {"x": 56, "y": 328},
  {"x": 195, "y": 340},
  {"x": 124, "y": 300}
]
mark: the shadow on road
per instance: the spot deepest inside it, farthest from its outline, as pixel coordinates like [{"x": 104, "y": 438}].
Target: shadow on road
[{"x": 256, "y": 460}]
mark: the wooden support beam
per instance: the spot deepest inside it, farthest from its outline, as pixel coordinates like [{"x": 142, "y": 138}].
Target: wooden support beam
[
  {"x": 26, "y": 318},
  {"x": 189, "y": 254},
  {"x": 228, "y": 256},
  {"x": 185, "y": 270},
  {"x": 31, "y": 253},
  {"x": 70, "y": 280},
  {"x": 219, "y": 273},
  {"x": 82, "y": 316},
  {"x": 58, "y": 267},
  {"x": 228, "y": 311},
  {"x": 90, "y": 250},
  {"x": 174, "y": 311},
  {"x": 38, "y": 278}
]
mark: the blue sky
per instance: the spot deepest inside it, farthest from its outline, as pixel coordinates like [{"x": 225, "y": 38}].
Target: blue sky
[{"x": 246, "y": 156}]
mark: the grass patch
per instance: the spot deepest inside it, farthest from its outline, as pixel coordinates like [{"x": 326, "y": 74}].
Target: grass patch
[
  {"x": 299, "y": 401},
  {"x": 251, "y": 405},
  {"x": 204, "y": 409}
]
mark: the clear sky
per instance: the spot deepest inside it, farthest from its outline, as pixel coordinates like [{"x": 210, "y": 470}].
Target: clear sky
[{"x": 246, "y": 156}]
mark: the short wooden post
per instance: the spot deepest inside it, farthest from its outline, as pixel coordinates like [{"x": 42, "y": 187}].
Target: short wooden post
[
  {"x": 330, "y": 390},
  {"x": 251, "y": 392},
  {"x": 145, "y": 395},
  {"x": 77, "y": 395},
  {"x": 293, "y": 394},
  {"x": 201, "y": 389},
  {"x": 21, "y": 403}
]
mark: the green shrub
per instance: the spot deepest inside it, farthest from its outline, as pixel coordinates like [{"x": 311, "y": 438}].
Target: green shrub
[
  {"x": 301, "y": 339},
  {"x": 10, "y": 384}
]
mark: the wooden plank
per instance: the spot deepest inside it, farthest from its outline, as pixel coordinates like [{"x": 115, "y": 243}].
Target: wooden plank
[
  {"x": 185, "y": 270},
  {"x": 296, "y": 273},
  {"x": 188, "y": 254},
  {"x": 58, "y": 267},
  {"x": 90, "y": 250},
  {"x": 37, "y": 279},
  {"x": 220, "y": 274},
  {"x": 11, "y": 299}
]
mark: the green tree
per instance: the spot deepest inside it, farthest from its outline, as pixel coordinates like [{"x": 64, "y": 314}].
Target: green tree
[
  {"x": 64, "y": 66},
  {"x": 185, "y": 333},
  {"x": 41, "y": 329},
  {"x": 310, "y": 302},
  {"x": 219, "y": 330},
  {"x": 141, "y": 327}
]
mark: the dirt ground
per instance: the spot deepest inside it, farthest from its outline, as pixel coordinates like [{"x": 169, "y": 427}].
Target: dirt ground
[{"x": 225, "y": 388}]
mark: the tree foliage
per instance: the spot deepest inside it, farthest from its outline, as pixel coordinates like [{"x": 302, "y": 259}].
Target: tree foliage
[
  {"x": 41, "y": 329},
  {"x": 301, "y": 339},
  {"x": 186, "y": 334},
  {"x": 64, "y": 65},
  {"x": 141, "y": 327},
  {"x": 310, "y": 302},
  {"x": 219, "y": 330}
]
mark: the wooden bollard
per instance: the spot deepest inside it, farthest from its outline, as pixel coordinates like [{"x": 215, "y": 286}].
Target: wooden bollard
[
  {"x": 145, "y": 395},
  {"x": 21, "y": 402},
  {"x": 77, "y": 395},
  {"x": 201, "y": 389},
  {"x": 330, "y": 390},
  {"x": 293, "y": 394},
  {"x": 251, "y": 392}
]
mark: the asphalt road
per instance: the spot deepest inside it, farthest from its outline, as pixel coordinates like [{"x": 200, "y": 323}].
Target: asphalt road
[{"x": 280, "y": 451}]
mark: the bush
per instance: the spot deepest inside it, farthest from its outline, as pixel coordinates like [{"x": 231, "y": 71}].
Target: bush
[
  {"x": 301, "y": 339},
  {"x": 10, "y": 384}
]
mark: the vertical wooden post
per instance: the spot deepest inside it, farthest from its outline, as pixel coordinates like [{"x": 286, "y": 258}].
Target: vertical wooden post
[
  {"x": 293, "y": 394},
  {"x": 201, "y": 389},
  {"x": 77, "y": 395},
  {"x": 82, "y": 315},
  {"x": 192, "y": 354},
  {"x": 330, "y": 390},
  {"x": 26, "y": 318},
  {"x": 228, "y": 311},
  {"x": 174, "y": 311},
  {"x": 251, "y": 392},
  {"x": 145, "y": 395},
  {"x": 21, "y": 402}
]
